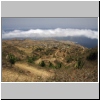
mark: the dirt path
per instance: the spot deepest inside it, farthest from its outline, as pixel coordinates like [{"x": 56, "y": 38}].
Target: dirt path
[
  {"x": 47, "y": 59},
  {"x": 56, "y": 53},
  {"x": 32, "y": 70},
  {"x": 38, "y": 61}
]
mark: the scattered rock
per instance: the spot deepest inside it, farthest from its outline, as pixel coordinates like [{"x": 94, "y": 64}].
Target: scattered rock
[{"x": 38, "y": 77}]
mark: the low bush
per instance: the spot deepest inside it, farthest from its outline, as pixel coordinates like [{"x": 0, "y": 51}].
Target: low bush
[
  {"x": 69, "y": 59},
  {"x": 42, "y": 64},
  {"x": 51, "y": 65},
  {"x": 92, "y": 56},
  {"x": 59, "y": 65},
  {"x": 79, "y": 64},
  {"x": 12, "y": 59},
  {"x": 31, "y": 59}
]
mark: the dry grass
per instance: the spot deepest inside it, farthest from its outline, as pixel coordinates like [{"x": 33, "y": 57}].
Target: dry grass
[
  {"x": 22, "y": 71},
  {"x": 77, "y": 75},
  {"x": 26, "y": 50}
]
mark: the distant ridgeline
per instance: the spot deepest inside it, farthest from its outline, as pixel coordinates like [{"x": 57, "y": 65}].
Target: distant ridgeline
[{"x": 84, "y": 41}]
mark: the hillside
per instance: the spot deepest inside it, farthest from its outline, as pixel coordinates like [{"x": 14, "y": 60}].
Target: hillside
[{"x": 48, "y": 61}]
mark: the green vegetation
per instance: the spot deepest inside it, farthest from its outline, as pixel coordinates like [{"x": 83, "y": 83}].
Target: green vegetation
[
  {"x": 92, "y": 55},
  {"x": 31, "y": 59},
  {"x": 12, "y": 59},
  {"x": 79, "y": 64},
  {"x": 69, "y": 59},
  {"x": 48, "y": 61},
  {"x": 34, "y": 58},
  {"x": 59, "y": 65},
  {"x": 51, "y": 65},
  {"x": 42, "y": 64}
]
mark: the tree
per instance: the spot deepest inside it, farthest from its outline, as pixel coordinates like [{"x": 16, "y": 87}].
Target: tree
[{"x": 12, "y": 59}]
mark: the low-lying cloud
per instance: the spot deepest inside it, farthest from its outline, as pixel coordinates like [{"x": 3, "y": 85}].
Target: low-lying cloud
[{"x": 50, "y": 33}]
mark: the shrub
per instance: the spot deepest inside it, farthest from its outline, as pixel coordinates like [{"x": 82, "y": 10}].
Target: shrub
[
  {"x": 12, "y": 59},
  {"x": 30, "y": 60},
  {"x": 42, "y": 64},
  {"x": 79, "y": 64},
  {"x": 59, "y": 65},
  {"x": 69, "y": 59},
  {"x": 92, "y": 56},
  {"x": 51, "y": 65},
  {"x": 34, "y": 58}
]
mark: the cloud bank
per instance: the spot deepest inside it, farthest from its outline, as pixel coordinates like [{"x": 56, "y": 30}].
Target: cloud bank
[{"x": 50, "y": 33}]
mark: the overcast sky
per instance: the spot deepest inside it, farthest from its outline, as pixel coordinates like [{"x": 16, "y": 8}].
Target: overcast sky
[
  {"x": 49, "y": 23},
  {"x": 49, "y": 27}
]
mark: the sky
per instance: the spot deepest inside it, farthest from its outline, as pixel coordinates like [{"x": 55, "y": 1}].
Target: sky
[
  {"x": 49, "y": 27},
  {"x": 49, "y": 23}
]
